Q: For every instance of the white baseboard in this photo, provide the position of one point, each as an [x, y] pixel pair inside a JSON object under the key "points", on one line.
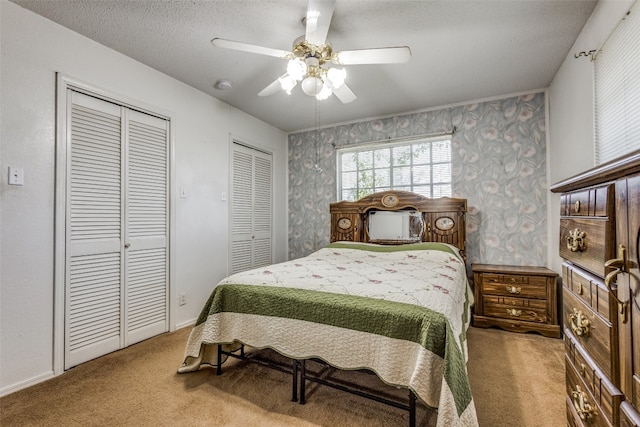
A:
{"points": [[26, 383], [186, 323]]}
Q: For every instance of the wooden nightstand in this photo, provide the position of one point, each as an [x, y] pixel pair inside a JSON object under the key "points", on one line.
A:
{"points": [[518, 299]]}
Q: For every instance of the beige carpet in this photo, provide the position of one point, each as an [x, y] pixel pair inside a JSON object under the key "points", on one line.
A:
{"points": [[516, 379]]}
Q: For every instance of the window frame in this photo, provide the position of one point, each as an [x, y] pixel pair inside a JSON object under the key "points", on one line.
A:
{"points": [[359, 192]]}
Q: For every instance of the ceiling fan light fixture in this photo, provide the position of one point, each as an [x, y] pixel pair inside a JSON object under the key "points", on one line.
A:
{"points": [[324, 93], [336, 77], [287, 83], [312, 85], [296, 69]]}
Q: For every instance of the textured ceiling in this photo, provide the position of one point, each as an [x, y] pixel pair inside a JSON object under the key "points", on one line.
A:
{"points": [[461, 50]]}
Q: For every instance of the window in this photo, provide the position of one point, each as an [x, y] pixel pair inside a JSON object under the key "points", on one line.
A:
{"points": [[617, 90], [423, 167]]}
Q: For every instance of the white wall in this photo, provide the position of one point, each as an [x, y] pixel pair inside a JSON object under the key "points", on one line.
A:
{"points": [[571, 127], [33, 50]]}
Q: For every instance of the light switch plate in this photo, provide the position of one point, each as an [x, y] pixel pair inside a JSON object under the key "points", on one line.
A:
{"points": [[16, 176]]}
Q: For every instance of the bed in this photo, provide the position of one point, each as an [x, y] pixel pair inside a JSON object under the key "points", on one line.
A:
{"points": [[393, 300]]}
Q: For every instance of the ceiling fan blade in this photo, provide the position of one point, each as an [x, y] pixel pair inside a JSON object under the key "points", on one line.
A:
{"points": [[251, 48], [273, 87], [382, 55], [344, 94], [318, 19]]}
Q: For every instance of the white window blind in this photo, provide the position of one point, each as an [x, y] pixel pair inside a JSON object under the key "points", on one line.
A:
{"points": [[617, 90], [422, 166]]}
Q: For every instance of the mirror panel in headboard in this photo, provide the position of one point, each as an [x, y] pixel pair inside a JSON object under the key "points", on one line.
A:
{"points": [[444, 218], [406, 226]]}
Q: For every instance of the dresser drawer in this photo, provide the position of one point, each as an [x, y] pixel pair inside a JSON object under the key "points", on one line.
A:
{"points": [[629, 416], [573, 420], [514, 285], [587, 242], [530, 310], [596, 201], [601, 389], [582, 408], [593, 332], [590, 289]]}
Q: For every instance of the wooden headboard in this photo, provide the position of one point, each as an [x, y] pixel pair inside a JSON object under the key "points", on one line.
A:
{"points": [[444, 218]]}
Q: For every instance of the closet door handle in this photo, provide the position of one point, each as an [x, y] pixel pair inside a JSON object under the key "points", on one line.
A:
{"points": [[126, 245]]}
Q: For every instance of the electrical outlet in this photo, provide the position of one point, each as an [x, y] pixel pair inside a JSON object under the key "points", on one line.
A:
{"points": [[16, 176], [182, 299]]}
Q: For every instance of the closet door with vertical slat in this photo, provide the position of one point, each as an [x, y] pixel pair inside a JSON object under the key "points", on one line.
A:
{"points": [[241, 209], [94, 229], [262, 209], [251, 208], [146, 254]]}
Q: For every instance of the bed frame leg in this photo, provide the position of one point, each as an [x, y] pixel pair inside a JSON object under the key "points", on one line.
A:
{"points": [[294, 391], [219, 367], [302, 381], [412, 409]]}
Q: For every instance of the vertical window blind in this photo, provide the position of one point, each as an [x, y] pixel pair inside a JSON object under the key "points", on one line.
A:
{"points": [[617, 90]]}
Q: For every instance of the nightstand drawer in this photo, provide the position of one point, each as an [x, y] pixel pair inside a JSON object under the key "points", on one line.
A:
{"points": [[528, 314], [592, 331], [537, 304], [498, 285]]}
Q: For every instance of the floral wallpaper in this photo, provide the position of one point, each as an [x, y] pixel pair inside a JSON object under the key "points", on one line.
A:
{"points": [[499, 166]]}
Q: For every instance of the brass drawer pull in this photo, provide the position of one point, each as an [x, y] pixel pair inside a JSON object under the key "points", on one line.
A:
{"points": [[585, 410], [514, 290], [579, 323], [580, 288], [621, 266], [576, 240], [513, 312]]}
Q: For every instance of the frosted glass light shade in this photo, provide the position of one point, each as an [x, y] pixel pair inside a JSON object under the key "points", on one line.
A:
{"points": [[324, 93], [312, 85], [296, 69], [336, 76], [287, 83]]}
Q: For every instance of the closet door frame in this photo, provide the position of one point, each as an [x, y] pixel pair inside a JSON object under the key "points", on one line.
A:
{"points": [[235, 139], [64, 83]]}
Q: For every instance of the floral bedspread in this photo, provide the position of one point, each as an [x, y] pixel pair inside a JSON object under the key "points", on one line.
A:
{"points": [[402, 311]]}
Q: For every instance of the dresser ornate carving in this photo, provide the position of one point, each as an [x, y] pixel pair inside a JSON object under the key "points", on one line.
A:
{"points": [[600, 245]]}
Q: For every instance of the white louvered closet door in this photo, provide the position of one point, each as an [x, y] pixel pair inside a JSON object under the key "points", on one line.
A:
{"points": [[146, 275], [116, 228], [251, 208]]}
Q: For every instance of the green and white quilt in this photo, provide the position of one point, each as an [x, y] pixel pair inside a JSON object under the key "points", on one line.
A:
{"points": [[400, 311]]}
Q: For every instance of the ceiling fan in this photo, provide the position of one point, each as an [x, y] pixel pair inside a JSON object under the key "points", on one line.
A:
{"points": [[313, 62]]}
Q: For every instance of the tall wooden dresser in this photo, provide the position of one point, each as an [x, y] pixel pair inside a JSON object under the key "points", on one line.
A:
{"points": [[600, 245]]}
